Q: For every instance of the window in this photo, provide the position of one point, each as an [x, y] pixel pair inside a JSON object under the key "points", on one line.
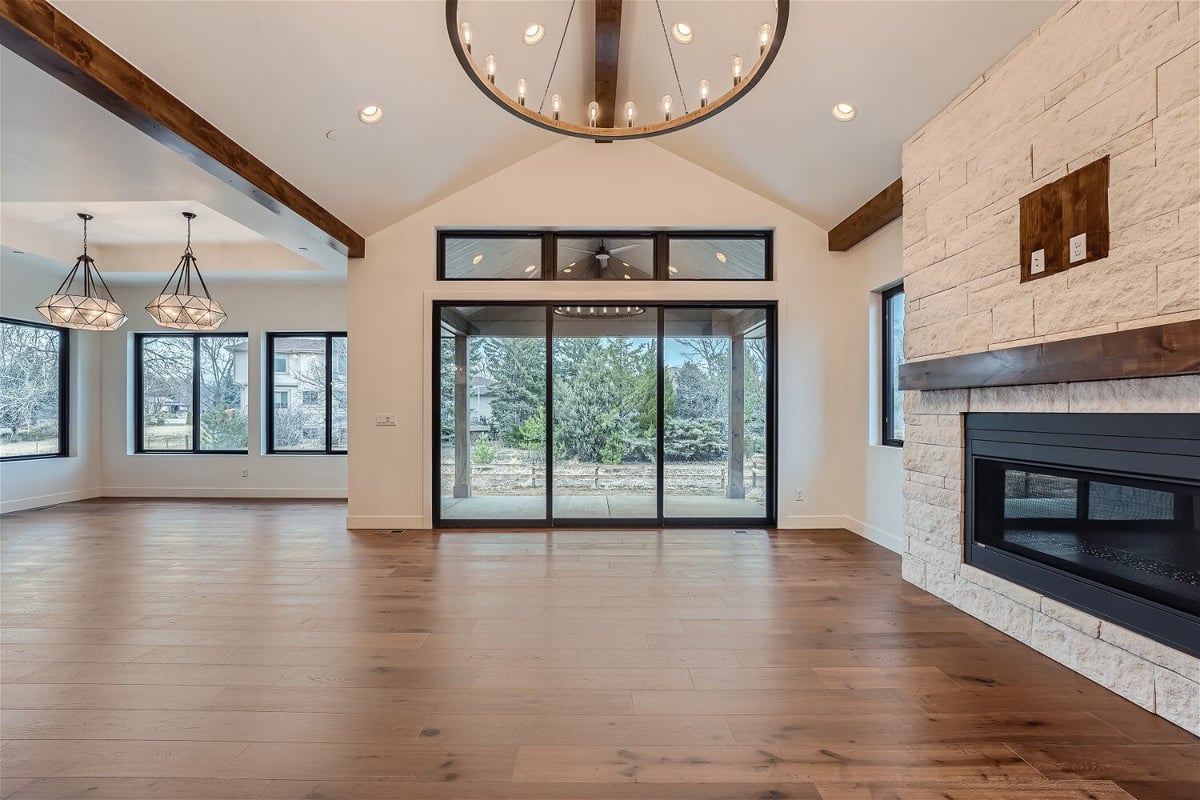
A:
{"points": [[191, 392], [316, 380], [730, 257], [892, 333], [594, 255], [34, 365], [489, 257], [280, 365]]}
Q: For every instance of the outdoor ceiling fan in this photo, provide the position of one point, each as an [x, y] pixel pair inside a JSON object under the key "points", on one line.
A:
{"points": [[602, 254]]}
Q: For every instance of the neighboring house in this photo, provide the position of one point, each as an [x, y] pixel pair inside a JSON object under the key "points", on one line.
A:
{"points": [[480, 393]]}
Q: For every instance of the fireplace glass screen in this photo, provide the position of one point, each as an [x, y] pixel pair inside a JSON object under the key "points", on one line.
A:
{"points": [[1139, 536]]}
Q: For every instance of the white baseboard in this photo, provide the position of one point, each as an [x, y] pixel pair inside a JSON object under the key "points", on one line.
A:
{"points": [[361, 522], [226, 492], [833, 521], [891, 541], [26, 503], [841, 521]]}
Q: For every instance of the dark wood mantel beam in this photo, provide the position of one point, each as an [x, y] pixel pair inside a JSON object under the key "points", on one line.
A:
{"points": [[874, 214], [608, 47], [50, 40], [1153, 351]]}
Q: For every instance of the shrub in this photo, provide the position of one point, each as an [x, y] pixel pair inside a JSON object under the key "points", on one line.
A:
{"points": [[484, 452]]}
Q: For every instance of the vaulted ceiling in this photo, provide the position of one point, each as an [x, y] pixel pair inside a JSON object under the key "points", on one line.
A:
{"points": [[279, 76]]}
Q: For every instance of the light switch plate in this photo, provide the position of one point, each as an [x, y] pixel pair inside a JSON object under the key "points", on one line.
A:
{"points": [[1037, 262], [385, 420], [1078, 247]]}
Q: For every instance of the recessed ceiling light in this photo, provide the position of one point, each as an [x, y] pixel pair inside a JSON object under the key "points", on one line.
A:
{"points": [[568, 269], [721, 257], [844, 112], [682, 32], [673, 269], [627, 277], [530, 268], [303, 248], [331, 135], [477, 259], [534, 33], [370, 114]]}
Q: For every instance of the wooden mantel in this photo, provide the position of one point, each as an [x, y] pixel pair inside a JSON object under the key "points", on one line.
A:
{"points": [[1158, 350]]}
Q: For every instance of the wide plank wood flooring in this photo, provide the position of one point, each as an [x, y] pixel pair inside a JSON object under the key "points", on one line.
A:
{"points": [[220, 649]]}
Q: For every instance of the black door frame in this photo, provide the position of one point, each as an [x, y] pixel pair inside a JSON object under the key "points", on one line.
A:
{"points": [[768, 520]]}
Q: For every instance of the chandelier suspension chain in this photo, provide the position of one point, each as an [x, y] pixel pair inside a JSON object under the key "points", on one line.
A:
{"points": [[671, 53], [554, 66]]}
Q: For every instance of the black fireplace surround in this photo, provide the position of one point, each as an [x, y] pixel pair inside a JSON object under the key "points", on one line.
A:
{"points": [[1098, 511]]}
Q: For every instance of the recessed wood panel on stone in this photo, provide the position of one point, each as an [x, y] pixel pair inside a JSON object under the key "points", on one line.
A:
{"points": [[1058, 211]]}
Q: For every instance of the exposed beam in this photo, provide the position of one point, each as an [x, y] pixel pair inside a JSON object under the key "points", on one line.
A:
{"points": [[1153, 351], [48, 39], [608, 47], [874, 214]]}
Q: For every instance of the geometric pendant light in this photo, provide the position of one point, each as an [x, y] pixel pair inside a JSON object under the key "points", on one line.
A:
{"points": [[176, 306], [89, 311]]}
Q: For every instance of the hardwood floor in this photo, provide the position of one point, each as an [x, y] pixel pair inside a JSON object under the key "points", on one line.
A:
{"points": [[212, 649]]}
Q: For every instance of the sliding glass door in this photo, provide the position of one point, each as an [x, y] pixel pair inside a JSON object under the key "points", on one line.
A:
{"points": [[653, 414]]}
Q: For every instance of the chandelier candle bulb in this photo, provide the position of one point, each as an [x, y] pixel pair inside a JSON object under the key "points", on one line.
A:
{"points": [[630, 112], [593, 113], [555, 105], [703, 93], [465, 29], [666, 106], [764, 38], [522, 88], [489, 65], [736, 63]]}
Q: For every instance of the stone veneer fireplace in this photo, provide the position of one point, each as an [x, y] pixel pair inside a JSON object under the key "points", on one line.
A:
{"points": [[1098, 511], [1097, 79]]}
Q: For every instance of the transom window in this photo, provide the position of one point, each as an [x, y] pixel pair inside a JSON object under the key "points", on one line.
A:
{"points": [[191, 392], [309, 413], [34, 370], [605, 255]]}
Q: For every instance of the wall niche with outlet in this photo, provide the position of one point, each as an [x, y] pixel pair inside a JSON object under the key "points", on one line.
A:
{"points": [[1064, 224]]}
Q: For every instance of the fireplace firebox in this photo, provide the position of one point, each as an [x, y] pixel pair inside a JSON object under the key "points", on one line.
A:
{"points": [[1098, 511]]}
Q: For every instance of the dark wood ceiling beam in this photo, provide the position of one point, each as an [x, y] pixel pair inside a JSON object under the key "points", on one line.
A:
{"points": [[48, 39], [874, 214], [608, 47]]}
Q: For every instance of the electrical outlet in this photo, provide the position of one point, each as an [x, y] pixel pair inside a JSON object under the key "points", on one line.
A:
{"points": [[799, 495], [385, 420], [1037, 262], [1078, 247]]}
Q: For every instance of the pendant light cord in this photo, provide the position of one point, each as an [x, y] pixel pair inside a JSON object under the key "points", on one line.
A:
{"points": [[671, 54], [557, 53]]}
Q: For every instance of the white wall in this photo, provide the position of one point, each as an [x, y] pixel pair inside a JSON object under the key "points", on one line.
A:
{"points": [[29, 484], [254, 309], [878, 478], [623, 185]]}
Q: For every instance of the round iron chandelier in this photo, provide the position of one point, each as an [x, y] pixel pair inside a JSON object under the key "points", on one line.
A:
{"points": [[656, 66]]}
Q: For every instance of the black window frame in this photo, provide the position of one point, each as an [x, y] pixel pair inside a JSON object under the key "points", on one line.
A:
{"points": [[269, 407], [139, 339], [661, 250], [887, 388], [661, 520], [64, 390]]}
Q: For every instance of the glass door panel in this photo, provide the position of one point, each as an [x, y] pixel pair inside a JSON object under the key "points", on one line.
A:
{"points": [[492, 426], [715, 413], [605, 367]]}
